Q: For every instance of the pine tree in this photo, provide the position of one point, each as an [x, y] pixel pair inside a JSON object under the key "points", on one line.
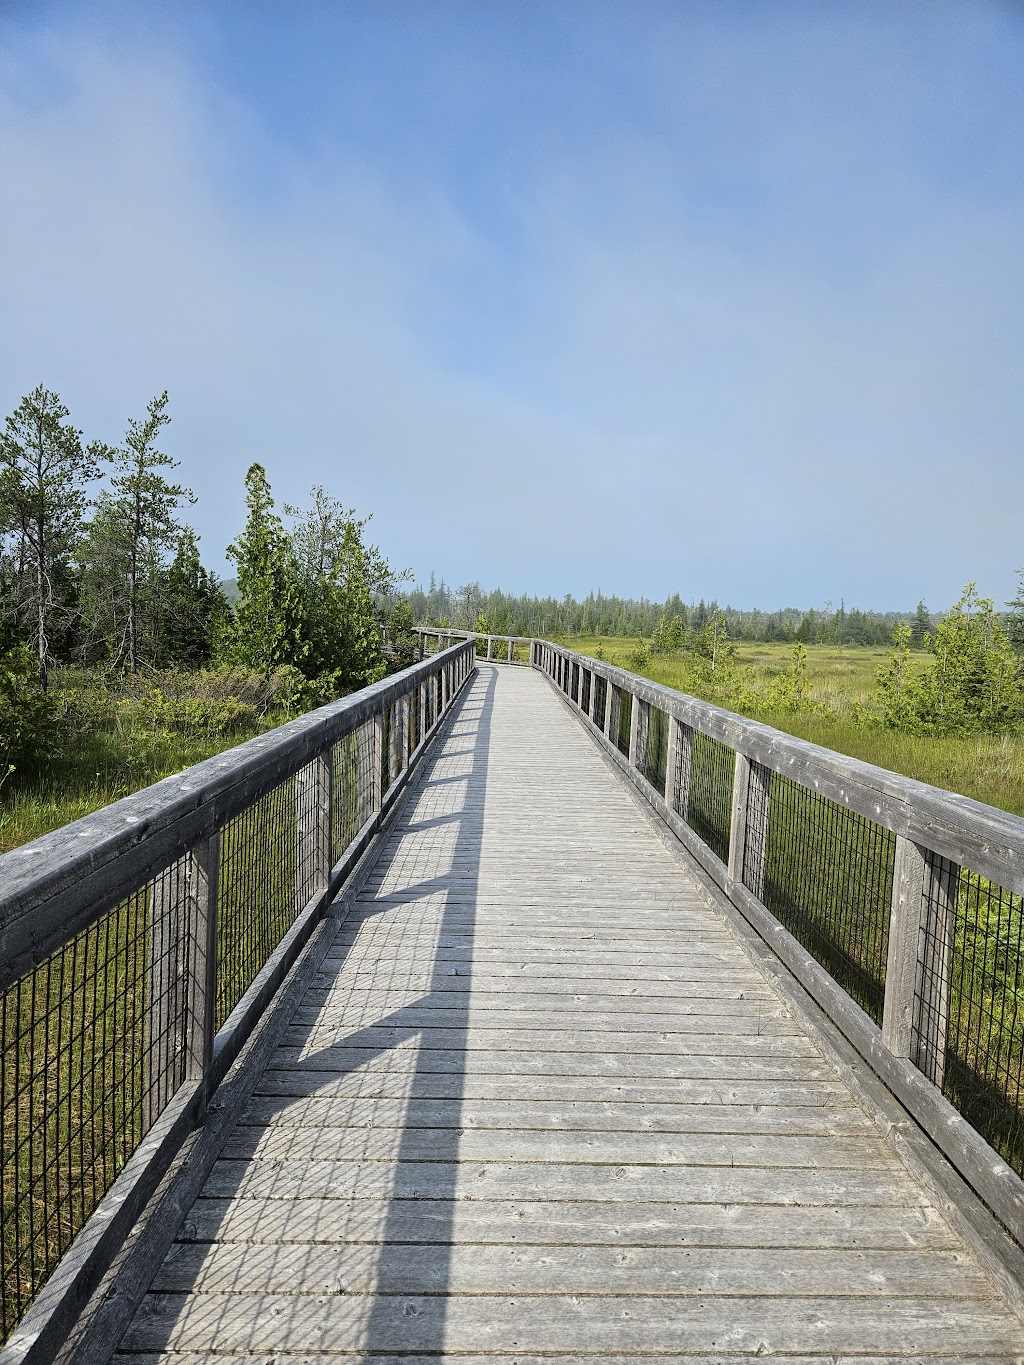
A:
{"points": [[44, 473], [920, 627], [146, 502], [268, 626]]}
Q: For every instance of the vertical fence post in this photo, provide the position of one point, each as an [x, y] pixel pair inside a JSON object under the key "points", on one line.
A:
{"points": [[905, 923], [377, 760], [614, 714], [738, 823], [684, 749], [182, 982], [312, 828], [204, 869], [672, 764], [511, 644], [634, 731], [915, 1013], [395, 756], [755, 839], [166, 1006]]}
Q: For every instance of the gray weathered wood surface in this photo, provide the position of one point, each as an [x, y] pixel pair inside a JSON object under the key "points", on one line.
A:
{"points": [[539, 1103]]}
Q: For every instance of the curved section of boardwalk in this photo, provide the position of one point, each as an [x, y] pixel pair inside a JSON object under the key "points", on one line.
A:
{"points": [[539, 1104]]}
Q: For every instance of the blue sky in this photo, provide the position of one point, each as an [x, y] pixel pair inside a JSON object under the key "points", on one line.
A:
{"points": [[718, 298]]}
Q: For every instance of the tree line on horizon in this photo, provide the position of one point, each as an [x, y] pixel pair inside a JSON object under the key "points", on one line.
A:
{"points": [[674, 619]]}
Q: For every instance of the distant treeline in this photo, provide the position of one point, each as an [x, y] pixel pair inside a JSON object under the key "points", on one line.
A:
{"points": [[469, 608]]}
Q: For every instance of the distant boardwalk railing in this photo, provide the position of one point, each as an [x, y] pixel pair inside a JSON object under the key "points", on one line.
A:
{"points": [[510, 649], [896, 904], [139, 947]]}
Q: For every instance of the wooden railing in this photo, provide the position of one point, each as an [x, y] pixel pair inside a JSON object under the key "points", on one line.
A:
{"points": [[139, 948], [896, 904], [497, 648]]}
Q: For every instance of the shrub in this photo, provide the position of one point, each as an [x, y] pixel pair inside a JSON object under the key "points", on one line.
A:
{"points": [[28, 726]]}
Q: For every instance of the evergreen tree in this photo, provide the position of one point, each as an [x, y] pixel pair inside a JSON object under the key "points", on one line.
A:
{"points": [[102, 557], [196, 610], [146, 502], [44, 473], [1015, 620], [920, 627], [268, 629]]}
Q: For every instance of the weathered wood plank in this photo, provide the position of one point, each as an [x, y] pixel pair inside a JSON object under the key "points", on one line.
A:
{"points": [[567, 1223], [560, 1181], [571, 1116], [313, 1269], [583, 1323]]}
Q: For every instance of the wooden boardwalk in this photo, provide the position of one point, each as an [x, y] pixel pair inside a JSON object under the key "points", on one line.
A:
{"points": [[539, 1104]]}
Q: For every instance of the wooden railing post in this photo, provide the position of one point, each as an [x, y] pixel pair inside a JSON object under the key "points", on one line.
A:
{"points": [[182, 978], [511, 646], [915, 1012], [906, 916], [377, 761], [634, 730], [398, 726], [312, 828], [204, 872], [738, 823], [684, 767], [672, 764], [759, 793]]}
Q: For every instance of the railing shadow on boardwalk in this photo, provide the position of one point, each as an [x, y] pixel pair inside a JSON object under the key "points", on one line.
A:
{"points": [[387, 1242]]}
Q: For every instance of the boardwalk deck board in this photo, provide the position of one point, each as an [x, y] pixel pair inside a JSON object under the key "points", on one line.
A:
{"points": [[539, 1104]]}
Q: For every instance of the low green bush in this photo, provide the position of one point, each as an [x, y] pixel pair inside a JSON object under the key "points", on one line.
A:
{"points": [[28, 721]]}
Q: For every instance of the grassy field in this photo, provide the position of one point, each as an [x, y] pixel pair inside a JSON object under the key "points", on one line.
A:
{"points": [[93, 771], [840, 686]]}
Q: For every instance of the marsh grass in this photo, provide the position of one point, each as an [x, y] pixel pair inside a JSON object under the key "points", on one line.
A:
{"points": [[842, 715]]}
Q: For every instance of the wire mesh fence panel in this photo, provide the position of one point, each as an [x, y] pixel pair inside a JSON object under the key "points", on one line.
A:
{"points": [[655, 756], [625, 709], [574, 681], [600, 699], [709, 803], [827, 876], [257, 891], [92, 1047], [585, 676], [971, 994]]}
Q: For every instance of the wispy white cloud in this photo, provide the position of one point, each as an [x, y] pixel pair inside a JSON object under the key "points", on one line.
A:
{"points": [[627, 385]]}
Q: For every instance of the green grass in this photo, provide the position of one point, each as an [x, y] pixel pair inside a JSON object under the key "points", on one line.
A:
{"points": [[989, 768], [93, 772]]}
